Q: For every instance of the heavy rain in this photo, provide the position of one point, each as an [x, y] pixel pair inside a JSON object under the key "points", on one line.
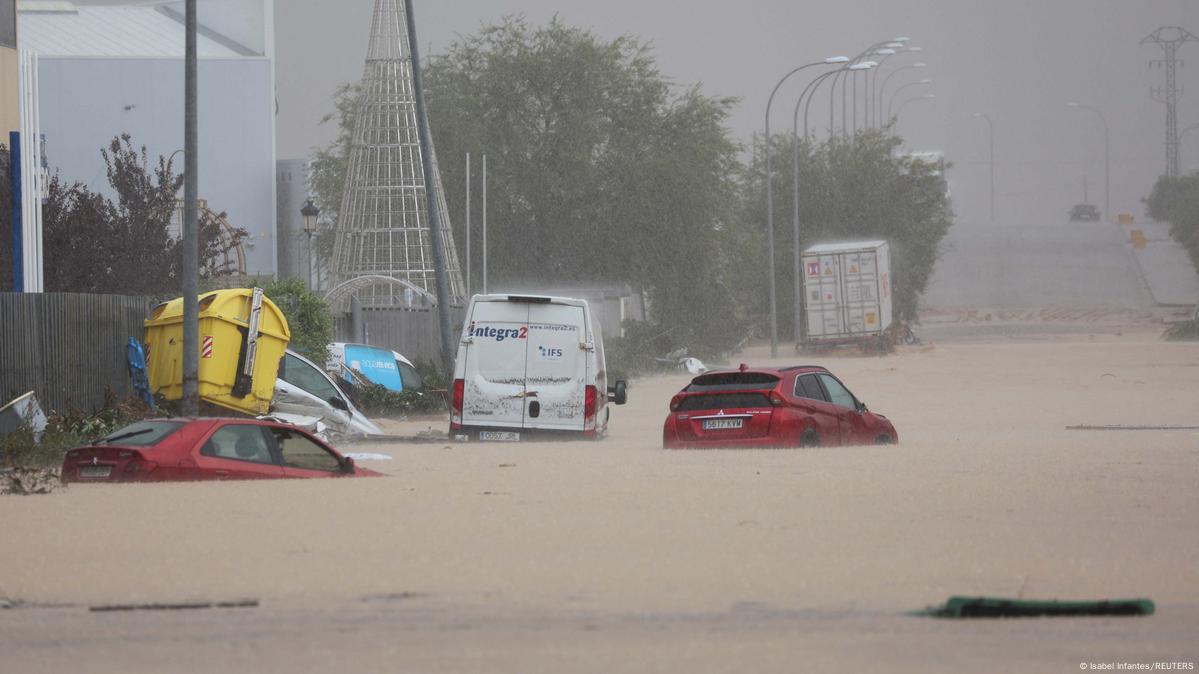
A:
{"points": [[764, 337]]}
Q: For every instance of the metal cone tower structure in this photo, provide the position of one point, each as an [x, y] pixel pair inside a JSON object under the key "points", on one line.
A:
{"points": [[383, 224]]}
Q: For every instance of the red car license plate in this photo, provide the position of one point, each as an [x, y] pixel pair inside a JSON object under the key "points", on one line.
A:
{"points": [[95, 471], [715, 424]]}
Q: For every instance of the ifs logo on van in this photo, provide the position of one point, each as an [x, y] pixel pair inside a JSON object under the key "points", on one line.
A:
{"points": [[498, 334], [548, 353]]}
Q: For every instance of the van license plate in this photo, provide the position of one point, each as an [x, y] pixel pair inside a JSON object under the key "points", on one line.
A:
{"points": [[499, 436], [715, 424], [95, 471]]}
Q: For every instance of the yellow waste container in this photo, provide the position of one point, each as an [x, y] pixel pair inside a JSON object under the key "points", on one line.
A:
{"points": [[236, 371]]}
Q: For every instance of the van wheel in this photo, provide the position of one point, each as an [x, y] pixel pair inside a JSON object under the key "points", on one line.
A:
{"points": [[810, 438], [884, 439]]}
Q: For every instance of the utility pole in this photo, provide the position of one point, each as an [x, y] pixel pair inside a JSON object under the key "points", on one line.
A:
{"points": [[1169, 38], [467, 228], [441, 279], [191, 246]]}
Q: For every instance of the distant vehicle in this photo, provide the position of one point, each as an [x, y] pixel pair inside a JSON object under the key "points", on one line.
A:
{"points": [[304, 389], [1082, 212], [166, 450], [798, 406], [378, 365], [530, 365]]}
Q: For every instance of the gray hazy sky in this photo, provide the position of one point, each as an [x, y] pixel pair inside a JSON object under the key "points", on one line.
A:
{"points": [[1019, 61]]}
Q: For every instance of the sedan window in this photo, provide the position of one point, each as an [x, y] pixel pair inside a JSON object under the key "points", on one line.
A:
{"points": [[806, 386], [300, 452], [838, 394], [240, 442], [302, 375]]}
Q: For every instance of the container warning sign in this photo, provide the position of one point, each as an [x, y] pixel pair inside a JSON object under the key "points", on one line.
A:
{"points": [[813, 269], [206, 347], [869, 318]]}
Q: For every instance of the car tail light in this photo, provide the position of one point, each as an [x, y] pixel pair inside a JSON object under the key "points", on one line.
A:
{"points": [[776, 399], [456, 403], [138, 466], [675, 402], [589, 398]]}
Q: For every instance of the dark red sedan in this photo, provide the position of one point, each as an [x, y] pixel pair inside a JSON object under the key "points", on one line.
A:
{"points": [[161, 450], [797, 406]]}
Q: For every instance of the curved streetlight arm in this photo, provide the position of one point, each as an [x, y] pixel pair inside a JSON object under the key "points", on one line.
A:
{"points": [[882, 89], [814, 85], [895, 95], [838, 78], [925, 97]]}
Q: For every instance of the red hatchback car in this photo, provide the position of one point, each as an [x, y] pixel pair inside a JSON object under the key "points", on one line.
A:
{"points": [[162, 450], [798, 406]]}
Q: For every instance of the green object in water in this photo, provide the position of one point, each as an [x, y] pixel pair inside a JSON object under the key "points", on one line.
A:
{"points": [[995, 607]]}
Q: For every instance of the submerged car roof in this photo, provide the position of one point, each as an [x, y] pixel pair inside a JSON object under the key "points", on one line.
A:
{"points": [[778, 371]]}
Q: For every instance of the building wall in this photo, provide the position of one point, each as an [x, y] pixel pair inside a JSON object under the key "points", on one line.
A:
{"points": [[291, 181], [86, 102], [10, 111]]}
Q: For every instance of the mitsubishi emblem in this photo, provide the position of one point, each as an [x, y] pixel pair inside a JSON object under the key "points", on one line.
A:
{"points": [[95, 461], [720, 413]]}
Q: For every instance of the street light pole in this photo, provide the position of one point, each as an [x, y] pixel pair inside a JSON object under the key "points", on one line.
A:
{"points": [[191, 218], [1107, 173], [774, 316], [798, 297], [991, 134], [310, 212]]}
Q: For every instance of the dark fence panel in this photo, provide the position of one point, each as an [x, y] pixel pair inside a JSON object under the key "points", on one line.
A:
{"points": [[413, 333], [67, 347]]}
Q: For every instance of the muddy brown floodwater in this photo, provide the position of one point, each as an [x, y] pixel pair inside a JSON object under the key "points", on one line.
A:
{"points": [[620, 556]]}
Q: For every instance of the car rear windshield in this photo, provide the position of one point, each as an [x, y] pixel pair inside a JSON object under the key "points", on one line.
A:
{"points": [[718, 401], [142, 433], [729, 381]]}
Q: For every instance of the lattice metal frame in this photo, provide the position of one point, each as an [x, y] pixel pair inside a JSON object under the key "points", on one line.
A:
{"points": [[383, 224]]}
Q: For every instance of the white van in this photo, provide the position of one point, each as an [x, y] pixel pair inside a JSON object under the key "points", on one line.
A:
{"points": [[530, 365]]}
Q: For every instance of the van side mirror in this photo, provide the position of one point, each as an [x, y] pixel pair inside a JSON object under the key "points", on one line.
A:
{"points": [[618, 392], [347, 465], [340, 404]]}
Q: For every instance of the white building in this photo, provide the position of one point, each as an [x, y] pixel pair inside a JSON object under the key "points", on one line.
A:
{"points": [[105, 70]]}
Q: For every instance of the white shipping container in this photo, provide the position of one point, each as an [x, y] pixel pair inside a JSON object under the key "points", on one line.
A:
{"points": [[847, 289]]}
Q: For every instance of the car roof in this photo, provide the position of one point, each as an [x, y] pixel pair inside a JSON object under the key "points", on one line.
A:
{"points": [[777, 371]]}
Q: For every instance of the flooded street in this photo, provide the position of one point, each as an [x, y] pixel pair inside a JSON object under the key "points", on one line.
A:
{"points": [[620, 555]]}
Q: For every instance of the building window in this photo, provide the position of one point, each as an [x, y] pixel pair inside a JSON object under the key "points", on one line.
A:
{"points": [[8, 23]]}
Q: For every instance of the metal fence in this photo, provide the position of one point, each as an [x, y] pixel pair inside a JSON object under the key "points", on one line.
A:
{"points": [[68, 348], [413, 333]]}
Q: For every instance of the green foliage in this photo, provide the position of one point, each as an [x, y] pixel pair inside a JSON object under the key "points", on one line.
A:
{"points": [[65, 430], [599, 171], [308, 317], [1176, 201], [90, 240], [376, 400], [1183, 331], [851, 188]]}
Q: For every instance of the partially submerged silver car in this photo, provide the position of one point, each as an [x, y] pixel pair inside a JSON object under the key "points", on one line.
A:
{"points": [[304, 390]]}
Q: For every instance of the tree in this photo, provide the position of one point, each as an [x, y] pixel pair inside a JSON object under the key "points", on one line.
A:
{"points": [[856, 187], [600, 171], [94, 244], [308, 317], [1176, 200]]}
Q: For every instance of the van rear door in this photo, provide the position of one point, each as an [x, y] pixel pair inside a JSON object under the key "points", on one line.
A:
{"points": [[556, 370], [494, 372]]}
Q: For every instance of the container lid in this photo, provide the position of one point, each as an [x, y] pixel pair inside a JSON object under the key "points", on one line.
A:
{"points": [[232, 305], [845, 247]]}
